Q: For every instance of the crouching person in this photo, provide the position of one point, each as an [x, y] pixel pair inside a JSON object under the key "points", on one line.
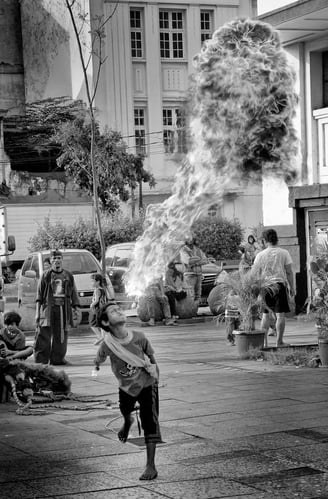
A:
{"points": [[134, 365], [12, 339]]}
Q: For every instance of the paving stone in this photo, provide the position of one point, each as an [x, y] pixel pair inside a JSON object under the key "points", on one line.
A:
{"points": [[253, 466], [274, 440], [315, 455], [110, 449], [21, 490], [310, 433], [200, 489], [124, 493], [314, 487], [27, 469], [77, 483]]}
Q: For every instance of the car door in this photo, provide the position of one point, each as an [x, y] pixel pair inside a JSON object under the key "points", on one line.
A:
{"points": [[27, 284], [117, 263]]}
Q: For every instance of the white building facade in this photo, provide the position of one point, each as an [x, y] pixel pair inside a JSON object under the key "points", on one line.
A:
{"points": [[301, 214], [144, 84]]}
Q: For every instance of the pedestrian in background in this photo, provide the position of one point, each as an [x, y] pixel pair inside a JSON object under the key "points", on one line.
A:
{"points": [[99, 298], [192, 258], [56, 302], [275, 262]]}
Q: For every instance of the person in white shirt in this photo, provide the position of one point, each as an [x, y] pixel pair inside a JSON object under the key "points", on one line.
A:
{"points": [[275, 262]]}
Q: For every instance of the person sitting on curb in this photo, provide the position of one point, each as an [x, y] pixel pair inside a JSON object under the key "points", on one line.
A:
{"points": [[174, 288], [12, 339], [154, 293], [133, 364]]}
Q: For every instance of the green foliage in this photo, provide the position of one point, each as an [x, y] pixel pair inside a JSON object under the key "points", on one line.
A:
{"points": [[299, 357], [83, 234], [31, 136], [319, 300], [242, 291], [212, 235], [219, 237], [118, 171]]}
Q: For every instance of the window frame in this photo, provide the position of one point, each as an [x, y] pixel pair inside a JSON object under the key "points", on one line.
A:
{"points": [[174, 135], [137, 30], [172, 39], [140, 130], [205, 34]]}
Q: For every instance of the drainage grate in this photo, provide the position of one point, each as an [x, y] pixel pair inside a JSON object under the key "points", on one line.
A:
{"points": [[279, 475], [316, 435]]}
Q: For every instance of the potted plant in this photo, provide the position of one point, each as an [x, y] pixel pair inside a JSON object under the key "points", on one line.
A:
{"points": [[319, 303], [243, 291]]}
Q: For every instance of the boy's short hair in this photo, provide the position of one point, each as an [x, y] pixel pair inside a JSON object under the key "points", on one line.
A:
{"points": [[55, 252], [270, 236], [11, 317], [101, 314]]}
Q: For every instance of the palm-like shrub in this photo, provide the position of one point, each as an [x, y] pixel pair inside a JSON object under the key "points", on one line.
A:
{"points": [[243, 291], [319, 300]]}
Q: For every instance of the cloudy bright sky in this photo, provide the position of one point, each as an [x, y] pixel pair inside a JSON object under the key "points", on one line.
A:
{"points": [[264, 6]]}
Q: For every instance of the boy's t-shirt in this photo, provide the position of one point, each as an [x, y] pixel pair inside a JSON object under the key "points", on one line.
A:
{"points": [[18, 342], [131, 379]]}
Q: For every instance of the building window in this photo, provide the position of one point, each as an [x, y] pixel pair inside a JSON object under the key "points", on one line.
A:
{"points": [[325, 78], [214, 211], [140, 130], [206, 25], [136, 33], [171, 34], [174, 130]]}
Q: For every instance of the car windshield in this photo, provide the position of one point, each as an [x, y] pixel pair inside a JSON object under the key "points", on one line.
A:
{"points": [[80, 263]]}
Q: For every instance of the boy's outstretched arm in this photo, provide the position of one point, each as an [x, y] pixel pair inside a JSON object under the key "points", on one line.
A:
{"points": [[153, 361], [101, 355]]}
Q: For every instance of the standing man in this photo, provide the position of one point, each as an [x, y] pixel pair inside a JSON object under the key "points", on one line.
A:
{"points": [[56, 297], [193, 258], [275, 262]]}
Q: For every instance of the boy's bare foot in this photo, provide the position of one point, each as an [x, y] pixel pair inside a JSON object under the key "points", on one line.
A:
{"points": [[124, 431], [150, 473]]}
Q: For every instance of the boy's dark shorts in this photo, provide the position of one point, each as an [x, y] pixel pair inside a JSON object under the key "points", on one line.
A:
{"points": [[149, 409], [277, 302]]}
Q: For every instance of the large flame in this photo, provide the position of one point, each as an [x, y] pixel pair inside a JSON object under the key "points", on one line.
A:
{"points": [[243, 105]]}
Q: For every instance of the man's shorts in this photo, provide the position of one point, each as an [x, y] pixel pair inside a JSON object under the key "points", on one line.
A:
{"points": [[149, 409], [276, 301]]}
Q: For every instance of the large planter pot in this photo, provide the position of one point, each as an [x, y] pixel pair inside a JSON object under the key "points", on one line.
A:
{"points": [[246, 341], [186, 308], [323, 351]]}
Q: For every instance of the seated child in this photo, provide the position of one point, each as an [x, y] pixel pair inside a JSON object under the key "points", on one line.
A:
{"points": [[232, 320], [12, 339]]}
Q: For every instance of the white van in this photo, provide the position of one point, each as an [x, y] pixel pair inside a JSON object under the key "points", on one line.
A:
{"points": [[81, 263]]}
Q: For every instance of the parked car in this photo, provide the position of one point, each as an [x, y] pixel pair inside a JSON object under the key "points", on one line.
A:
{"points": [[81, 263], [118, 258]]}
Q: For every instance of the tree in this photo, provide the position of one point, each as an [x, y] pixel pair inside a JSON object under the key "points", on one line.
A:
{"points": [[117, 170], [29, 138], [97, 34]]}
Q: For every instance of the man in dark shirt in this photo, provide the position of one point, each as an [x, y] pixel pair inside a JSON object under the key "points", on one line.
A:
{"points": [[56, 298]]}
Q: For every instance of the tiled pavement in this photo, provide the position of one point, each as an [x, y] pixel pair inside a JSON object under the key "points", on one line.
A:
{"points": [[231, 428]]}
